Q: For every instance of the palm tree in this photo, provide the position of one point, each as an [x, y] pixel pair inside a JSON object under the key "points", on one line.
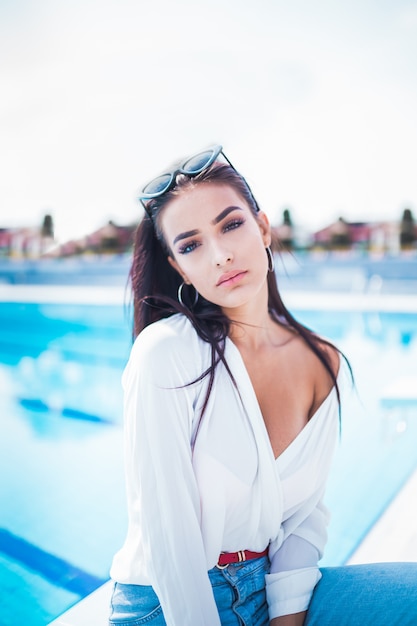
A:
{"points": [[47, 229], [407, 229]]}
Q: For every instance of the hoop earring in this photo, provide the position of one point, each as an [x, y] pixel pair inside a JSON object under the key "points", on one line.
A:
{"points": [[180, 300], [271, 260]]}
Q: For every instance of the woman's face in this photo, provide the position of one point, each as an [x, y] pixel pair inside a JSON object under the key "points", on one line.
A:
{"points": [[217, 244]]}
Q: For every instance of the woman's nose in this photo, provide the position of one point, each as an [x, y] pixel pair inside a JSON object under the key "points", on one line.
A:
{"points": [[221, 254], [223, 257]]}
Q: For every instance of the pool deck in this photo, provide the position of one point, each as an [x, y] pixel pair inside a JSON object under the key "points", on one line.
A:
{"points": [[392, 538], [92, 611], [335, 300]]}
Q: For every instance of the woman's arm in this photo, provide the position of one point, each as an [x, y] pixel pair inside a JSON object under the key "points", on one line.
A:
{"points": [[297, 619], [164, 503]]}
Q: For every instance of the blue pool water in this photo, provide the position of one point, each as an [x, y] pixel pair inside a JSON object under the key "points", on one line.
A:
{"points": [[62, 508]]}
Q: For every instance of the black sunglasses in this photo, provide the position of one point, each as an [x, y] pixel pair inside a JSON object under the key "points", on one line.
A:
{"points": [[191, 166]]}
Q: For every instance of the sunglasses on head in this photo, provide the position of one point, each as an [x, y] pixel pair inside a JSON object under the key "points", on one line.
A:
{"points": [[191, 166]]}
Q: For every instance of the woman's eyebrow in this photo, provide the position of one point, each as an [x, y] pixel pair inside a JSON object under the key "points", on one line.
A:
{"points": [[224, 214], [188, 233], [217, 219]]}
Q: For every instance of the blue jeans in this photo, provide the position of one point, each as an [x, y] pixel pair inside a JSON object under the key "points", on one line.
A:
{"points": [[378, 594], [239, 592], [356, 595]]}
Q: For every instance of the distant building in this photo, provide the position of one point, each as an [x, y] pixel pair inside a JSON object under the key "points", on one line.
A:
{"points": [[108, 239], [112, 238], [342, 235], [28, 243], [5, 242]]}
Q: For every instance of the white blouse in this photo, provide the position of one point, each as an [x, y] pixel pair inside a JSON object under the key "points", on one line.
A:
{"points": [[229, 493]]}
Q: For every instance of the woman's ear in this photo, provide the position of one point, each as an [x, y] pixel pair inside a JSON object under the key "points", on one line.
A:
{"points": [[265, 228], [177, 268]]}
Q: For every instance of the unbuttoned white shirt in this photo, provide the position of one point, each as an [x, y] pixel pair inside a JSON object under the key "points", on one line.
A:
{"points": [[195, 489]]}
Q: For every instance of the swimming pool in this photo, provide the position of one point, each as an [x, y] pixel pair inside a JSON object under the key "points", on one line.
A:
{"points": [[62, 503]]}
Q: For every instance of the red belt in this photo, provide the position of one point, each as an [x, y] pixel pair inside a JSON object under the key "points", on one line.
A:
{"points": [[227, 558]]}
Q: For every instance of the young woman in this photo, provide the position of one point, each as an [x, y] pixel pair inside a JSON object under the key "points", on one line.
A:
{"points": [[231, 419]]}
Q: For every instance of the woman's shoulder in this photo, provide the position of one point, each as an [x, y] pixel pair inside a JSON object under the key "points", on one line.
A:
{"points": [[168, 351], [323, 381], [316, 380], [174, 325], [332, 355], [170, 337]]}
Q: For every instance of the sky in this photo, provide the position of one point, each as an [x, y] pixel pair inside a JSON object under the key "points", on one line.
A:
{"points": [[314, 103]]}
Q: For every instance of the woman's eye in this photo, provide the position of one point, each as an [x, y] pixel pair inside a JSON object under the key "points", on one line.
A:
{"points": [[235, 223], [188, 247]]}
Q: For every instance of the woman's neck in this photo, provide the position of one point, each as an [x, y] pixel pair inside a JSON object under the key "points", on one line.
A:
{"points": [[252, 327]]}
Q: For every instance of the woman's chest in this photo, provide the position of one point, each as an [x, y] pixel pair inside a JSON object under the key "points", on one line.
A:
{"points": [[284, 395]]}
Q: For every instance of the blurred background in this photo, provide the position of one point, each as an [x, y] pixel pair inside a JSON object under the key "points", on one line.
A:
{"points": [[315, 104]]}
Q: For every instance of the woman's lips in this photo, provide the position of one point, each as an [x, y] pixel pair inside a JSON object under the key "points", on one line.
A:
{"points": [[229, 278]]}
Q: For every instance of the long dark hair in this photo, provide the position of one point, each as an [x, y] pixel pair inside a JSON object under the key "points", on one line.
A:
{"points": [[155, 283]]}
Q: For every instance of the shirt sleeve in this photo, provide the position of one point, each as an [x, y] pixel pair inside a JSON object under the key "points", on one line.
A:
{"points": [[294, 566], [162, 490]]}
